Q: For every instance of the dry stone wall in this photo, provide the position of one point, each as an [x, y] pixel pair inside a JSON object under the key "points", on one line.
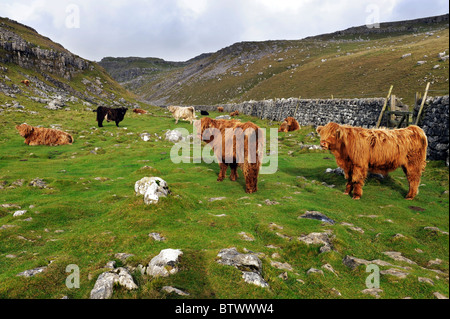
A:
{"points": [[355, 112]]}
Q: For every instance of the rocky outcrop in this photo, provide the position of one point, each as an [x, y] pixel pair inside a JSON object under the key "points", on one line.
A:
{"points": [[30, 56]]}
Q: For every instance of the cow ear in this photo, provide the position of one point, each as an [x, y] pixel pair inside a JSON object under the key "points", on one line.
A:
{"points": [[319, 129], [339, 133]]}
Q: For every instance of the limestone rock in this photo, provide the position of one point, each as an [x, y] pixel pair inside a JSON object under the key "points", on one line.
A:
{"points": [[32, 272], [152, 188], [170, 289], [254, 278], [318, 239], [317, 216], [173, 136], [165, 264]]}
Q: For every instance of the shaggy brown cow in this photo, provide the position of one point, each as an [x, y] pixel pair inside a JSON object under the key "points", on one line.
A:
{"points": [[235, 113], [220, 109], [26, 82], [43, 136], [243, 148], [358, 151], [289, 125], [139, 111]]}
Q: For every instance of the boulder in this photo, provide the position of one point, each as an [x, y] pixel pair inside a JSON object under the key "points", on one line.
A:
{"points": [[103, 288], [152, 188], [165, 264], [173, 136], [249, 264]]}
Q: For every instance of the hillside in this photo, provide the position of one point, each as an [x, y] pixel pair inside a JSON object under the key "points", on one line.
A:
{"points": [[57, 77], [357, 62]]}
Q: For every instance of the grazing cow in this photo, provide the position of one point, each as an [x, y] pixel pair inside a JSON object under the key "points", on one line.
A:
{"points": [[43, 136], [242, 148], [235, 113], [26, 82], [289, 125], [358, 151], [220, 109], [204, 113], [180, 112], [139, 111], [110, 114]]}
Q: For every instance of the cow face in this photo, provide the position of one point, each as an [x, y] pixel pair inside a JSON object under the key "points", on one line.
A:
{"points": [[328, 135], [121, 113], [25, 130]]}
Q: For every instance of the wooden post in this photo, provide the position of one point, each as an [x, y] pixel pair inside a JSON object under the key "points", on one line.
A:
{"points": [[384, 107], [423, 104]]}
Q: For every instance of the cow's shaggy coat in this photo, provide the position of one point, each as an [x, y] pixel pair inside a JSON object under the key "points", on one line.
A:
{"points": [[43, 136], [241, 146], [359, 151], [110, 114], [139, 111], [186, 113], [289, 125]]}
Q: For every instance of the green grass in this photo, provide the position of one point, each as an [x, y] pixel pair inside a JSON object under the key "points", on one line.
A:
{"points": [[100, 218]]}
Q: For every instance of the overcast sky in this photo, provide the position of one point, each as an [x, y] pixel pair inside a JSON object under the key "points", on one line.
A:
{"points": [[178, 30]]}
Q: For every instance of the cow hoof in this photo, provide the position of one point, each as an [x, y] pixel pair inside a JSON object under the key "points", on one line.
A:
{"points": [[220, 179], [356, 197]]}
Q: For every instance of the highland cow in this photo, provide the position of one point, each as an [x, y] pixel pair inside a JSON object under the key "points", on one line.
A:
{"points": [[289, 125], [110, 114], [235, 113], [380, 151], [220, 109], [26, 82], [204, 113], [180, 112], [43, 136], [139, 111], [235, 144]]}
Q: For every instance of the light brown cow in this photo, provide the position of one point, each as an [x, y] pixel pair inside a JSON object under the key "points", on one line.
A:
{"points": [[359, 151]]}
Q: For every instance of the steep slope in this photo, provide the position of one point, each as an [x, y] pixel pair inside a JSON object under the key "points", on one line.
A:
{"points": [[56, 76], [357, 62]]}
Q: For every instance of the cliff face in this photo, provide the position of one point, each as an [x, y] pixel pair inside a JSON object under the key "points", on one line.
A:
{"points": [[56, 77], [30, 56]]}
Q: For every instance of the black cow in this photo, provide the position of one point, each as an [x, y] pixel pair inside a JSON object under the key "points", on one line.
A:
{"points": [[110, 114], [204, 113]]}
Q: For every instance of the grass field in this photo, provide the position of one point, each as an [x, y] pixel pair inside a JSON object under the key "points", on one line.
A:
{"points": [[89, 212]]}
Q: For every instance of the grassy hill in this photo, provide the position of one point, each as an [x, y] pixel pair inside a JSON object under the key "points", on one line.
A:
{"points": [[357, 62], [89, 212]]}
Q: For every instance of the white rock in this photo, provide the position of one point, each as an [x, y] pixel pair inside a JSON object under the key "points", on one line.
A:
{"points": [[19, 213], [165, 263], [152, 188], [174, 136]]}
